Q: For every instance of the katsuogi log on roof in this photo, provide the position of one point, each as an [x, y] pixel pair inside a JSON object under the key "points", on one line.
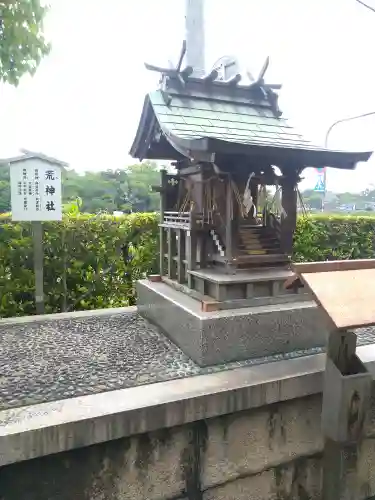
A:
{"points": [[189, 117]]}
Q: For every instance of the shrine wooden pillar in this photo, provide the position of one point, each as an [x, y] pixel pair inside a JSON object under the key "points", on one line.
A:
{"points": [[228, 224], [191, 254], [289, 204], [163, 194], [254, 195]]}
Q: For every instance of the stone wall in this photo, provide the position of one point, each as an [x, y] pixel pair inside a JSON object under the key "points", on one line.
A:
{"points": [[271, 452], [247, 433]]}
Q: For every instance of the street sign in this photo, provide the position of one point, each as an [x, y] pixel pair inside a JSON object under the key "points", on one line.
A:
{"points": [[35, 190], [320, 171], [320, 185]]}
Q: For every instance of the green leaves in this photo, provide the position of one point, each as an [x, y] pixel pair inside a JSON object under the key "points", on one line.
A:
{"points": [[322, 237], [84, 265], [22, 43], [83, 262]]}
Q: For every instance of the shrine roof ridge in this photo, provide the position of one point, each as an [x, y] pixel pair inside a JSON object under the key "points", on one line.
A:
{"points": [[220, 90], [190, 116]]}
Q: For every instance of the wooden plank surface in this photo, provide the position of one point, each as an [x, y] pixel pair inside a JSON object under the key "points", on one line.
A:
{"points": [[347, 297], [333, 265]]}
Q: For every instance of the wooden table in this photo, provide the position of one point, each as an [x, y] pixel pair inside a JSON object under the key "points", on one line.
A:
{"points": [[345, 293]]}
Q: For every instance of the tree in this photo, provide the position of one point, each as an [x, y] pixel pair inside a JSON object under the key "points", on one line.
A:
{"points": [[140, 178], [22, 42], [312, 199], [126, 190]]}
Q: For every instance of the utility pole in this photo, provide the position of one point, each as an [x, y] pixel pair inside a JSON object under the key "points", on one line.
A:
{"points": [[195, 43], [333, 125]]}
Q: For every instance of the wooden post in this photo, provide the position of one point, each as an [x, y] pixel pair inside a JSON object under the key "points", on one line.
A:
{"points": [[202, 249], [171, 253], [162, 209], [180, 256], [254, 195], [64, 272], [37, 229], [191, 253], [289, 221], [228, 224]]}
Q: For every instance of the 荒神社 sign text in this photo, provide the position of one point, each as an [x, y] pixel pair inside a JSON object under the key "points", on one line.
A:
{"points": [[35, 191]]}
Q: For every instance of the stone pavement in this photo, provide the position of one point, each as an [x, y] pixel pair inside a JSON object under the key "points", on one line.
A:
{"points": [[56, 359]]}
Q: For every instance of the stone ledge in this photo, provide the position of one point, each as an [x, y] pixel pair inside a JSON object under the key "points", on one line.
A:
{"points": [[215, 337], [48, 428], [67, 315]]}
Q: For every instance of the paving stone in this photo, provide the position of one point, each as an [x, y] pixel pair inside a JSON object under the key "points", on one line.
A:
{"points": [[51, 360]]}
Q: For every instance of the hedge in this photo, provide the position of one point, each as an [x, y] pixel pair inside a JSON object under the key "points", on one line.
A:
{"points": [[337, 237], [85, 266]]}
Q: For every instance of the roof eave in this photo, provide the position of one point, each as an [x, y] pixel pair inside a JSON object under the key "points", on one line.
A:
{"points": [[305, 157], [186, 147], [143, 135]]}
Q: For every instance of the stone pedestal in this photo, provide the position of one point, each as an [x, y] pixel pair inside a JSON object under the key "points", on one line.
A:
{"points": [[234, 334]]}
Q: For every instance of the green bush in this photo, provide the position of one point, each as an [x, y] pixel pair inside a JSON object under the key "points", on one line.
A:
{"points": [[337, 237], [83, 262], [85, 269]]}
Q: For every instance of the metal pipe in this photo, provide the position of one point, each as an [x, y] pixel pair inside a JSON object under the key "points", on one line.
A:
{"points": [[337, 122], [350, 118]]}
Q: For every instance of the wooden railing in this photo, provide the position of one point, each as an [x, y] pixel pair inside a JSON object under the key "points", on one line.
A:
{"points": [[180, 220], [184, 220]]}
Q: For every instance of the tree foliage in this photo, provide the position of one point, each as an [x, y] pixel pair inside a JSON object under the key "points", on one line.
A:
{"points": [[22, 42]]}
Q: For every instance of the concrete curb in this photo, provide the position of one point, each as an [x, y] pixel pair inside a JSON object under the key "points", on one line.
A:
{"points": [[35, 431]]}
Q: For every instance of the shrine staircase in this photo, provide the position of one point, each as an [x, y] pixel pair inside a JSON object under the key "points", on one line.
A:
{"points": [[258, 245]]}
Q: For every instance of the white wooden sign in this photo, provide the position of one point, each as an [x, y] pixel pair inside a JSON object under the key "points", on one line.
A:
{"points": [[35, 190]]}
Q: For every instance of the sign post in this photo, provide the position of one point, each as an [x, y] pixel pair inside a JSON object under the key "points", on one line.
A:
{"points": [[320, 186], [36, 197], [37, 229]]}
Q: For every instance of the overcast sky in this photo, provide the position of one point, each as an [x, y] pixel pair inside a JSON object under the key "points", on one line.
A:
{"points": [[84, 103]]}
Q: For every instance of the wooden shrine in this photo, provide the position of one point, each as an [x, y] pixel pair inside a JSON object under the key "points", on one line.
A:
{"points": [[218, 214], [228, 213]]}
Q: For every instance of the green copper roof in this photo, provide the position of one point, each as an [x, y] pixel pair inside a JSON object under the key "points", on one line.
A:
{"points": [[193, 118]]}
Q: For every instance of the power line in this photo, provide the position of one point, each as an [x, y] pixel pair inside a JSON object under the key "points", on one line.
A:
{"points": [[365, 5]]}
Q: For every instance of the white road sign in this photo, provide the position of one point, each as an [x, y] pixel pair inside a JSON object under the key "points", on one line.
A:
{"points": [[35, 190]]}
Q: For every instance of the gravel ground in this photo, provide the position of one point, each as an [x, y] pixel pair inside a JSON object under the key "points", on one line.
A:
{"points": [[59, 359]]}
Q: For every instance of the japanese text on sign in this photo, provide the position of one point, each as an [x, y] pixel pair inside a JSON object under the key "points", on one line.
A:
{"points": [[36, 191]]}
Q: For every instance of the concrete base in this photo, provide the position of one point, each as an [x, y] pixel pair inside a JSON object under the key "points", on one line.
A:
{"points": [[211, 338]]}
